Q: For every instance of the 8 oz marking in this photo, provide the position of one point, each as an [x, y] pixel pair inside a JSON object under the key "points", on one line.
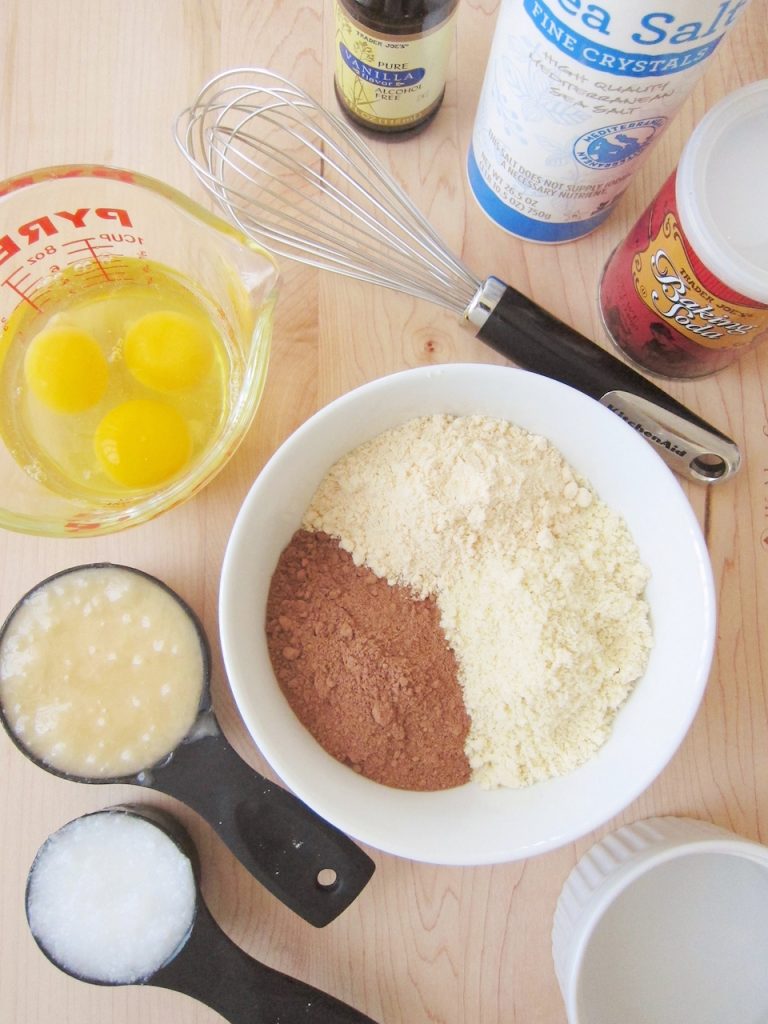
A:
{"points": [[49, 250]]}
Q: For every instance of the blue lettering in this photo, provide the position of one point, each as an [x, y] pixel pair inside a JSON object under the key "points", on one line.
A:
{"points": [[659, 33], [734, 12], [657, 26], [593, 17], [379, 76], [685, 33], [598, 19], [586, 50], [720, 12]]}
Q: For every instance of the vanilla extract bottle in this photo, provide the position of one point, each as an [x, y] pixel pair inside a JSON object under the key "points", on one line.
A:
{"points": [[392, 61]]}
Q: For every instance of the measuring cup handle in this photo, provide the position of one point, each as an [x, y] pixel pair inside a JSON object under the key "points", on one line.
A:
{"points": [[217, 972], [281, 841]]}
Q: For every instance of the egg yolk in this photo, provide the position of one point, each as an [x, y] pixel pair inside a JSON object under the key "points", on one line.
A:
{"points": [[167, 351], [142, 442], [66, 369]]}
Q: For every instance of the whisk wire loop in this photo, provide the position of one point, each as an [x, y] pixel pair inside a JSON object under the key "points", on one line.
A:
{"points": [[296, 179], [362, 220]]}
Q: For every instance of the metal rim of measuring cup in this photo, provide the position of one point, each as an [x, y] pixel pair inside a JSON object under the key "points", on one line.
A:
{"points": [[169, 826], [205, 705]]}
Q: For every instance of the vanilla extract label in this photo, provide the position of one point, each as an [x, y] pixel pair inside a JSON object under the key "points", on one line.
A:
{"points": [[390, 81]]}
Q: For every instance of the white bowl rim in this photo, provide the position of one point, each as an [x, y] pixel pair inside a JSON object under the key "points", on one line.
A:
{"points": [[624, 876], [432, 827]]}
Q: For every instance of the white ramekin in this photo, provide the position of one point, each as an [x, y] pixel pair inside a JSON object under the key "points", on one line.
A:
{"points": [[709, 920]]}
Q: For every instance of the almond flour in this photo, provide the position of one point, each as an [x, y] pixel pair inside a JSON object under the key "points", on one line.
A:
{"points": [[539, 585]]}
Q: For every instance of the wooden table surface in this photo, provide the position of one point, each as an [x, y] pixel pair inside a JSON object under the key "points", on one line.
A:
{"points": [[90, 81]]}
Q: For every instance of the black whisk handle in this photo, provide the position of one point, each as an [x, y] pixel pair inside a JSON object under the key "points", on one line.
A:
{"points": [[533, 339]]}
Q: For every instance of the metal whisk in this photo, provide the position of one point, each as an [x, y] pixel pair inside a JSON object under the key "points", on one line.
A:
{"points": [[303, 184]]}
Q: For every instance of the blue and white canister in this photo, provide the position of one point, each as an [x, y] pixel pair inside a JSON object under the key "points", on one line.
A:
{"points": [[575, 95]]}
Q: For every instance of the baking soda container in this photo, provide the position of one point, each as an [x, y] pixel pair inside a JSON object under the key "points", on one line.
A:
{"points": [[574, 96], [687, 291]]}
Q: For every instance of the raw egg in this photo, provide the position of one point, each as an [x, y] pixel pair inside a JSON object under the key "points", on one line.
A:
{"points": [[66, 369], [114, 386], [168, 351], [142, 442]]}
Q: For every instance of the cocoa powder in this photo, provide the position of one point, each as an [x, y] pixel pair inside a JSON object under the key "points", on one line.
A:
{"points": [[366, 667]]}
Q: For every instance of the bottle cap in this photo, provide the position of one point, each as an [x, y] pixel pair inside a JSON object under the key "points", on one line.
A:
{"points": [[720, 190]]}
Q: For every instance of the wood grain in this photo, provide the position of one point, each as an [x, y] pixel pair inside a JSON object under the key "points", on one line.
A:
{"points": [[89, 80]]}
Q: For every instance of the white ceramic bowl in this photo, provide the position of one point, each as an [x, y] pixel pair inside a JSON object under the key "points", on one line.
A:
{"points": [[468, 825], [665, 921]]}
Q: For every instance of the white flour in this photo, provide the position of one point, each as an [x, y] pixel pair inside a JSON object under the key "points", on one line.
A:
{"points": [[539, 584]]}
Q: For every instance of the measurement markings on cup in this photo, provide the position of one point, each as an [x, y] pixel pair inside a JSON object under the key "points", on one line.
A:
{"points": [[82, 254], [90, 254], [21, 282]]}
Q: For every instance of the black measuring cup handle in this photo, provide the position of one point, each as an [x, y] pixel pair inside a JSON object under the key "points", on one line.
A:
{"points": [[309, 864], [217, 972]]}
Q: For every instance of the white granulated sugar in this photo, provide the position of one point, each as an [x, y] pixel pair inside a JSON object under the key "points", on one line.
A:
{"points": [[539, 585]]}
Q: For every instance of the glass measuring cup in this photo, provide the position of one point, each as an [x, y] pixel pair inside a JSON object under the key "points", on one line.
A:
{"points": [[132, 856], [93, 242], [56, 648]]}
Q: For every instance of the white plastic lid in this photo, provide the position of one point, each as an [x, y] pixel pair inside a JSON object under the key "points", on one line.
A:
{"points": [[721, 190]]}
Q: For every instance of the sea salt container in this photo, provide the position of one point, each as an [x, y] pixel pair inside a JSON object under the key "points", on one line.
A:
{"points": [[575, 95]]}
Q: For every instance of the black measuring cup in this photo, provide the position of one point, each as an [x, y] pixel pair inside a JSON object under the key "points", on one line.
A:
{"points": [[307, 863], [206, 964]]}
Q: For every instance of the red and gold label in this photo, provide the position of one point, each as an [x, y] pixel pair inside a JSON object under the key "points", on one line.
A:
{"points": [[666, 281]]}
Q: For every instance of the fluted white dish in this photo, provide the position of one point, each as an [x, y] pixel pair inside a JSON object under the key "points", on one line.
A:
{"points": [[665, 921]]}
